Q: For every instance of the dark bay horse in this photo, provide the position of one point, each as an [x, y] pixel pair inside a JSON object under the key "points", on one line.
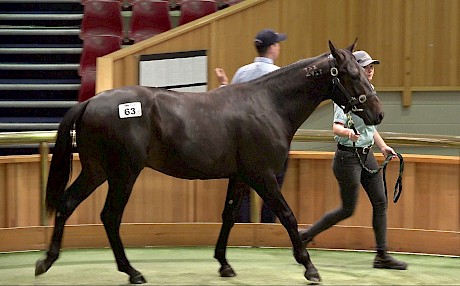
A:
{"points": [[241, 132]]}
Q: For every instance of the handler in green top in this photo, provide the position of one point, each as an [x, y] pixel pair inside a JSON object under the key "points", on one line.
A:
{"points": [[350, 174]]}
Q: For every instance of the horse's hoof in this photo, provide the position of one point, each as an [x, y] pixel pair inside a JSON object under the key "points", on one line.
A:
{"points": [[227, 271], [312, 275], [40, 267], [138, 279]]}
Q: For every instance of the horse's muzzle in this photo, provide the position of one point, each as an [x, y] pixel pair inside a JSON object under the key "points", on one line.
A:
{"points": [[380, 117]]}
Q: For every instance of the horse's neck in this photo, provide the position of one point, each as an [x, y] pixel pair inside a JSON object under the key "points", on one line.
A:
{"points": [[297, 90]]}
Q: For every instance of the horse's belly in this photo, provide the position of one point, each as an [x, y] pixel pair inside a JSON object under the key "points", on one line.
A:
{"points": [[186, 172], [192, 167]]}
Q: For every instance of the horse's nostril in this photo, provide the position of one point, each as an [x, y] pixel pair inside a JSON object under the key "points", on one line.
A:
{"points": [[381, 115]]}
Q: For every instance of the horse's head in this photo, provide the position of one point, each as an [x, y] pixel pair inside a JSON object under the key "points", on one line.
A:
{"points": [[352, 90]]}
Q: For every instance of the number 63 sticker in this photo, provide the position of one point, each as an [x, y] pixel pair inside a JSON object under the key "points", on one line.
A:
{"points": [[131, 109]]}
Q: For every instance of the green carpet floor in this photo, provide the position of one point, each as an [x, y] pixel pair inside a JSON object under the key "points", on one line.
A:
{"points": [[196, 266]]}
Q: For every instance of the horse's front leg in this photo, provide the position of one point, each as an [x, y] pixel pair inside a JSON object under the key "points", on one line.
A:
{"points": [[268, 189], [235, 191]]}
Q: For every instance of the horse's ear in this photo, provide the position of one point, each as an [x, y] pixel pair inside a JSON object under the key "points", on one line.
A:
{"points": [[351, 48], [333, 49], [331, 46]]}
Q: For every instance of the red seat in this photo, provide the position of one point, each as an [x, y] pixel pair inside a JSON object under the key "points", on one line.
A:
{"points": [[87, 86], [179, 2], [149, 18], [83, 2], [102, 17], [191, 10], [171, 3], [227, 3], [94, 47]]}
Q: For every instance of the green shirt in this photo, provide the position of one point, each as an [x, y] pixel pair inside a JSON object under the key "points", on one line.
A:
{"points": [[367, 131]]}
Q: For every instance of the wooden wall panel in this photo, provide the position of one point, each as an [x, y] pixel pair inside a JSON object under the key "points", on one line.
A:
{"points": [[418, 206], [417, 42], [256, 235], [20, 194], [430, 198], [311, 24], [3, 194], [27, 194], [10, 198], [428, 207], [318, 190], [159, 198], [381, 37], [436, 44], [210, 200], [437, 194], [22, 238]]}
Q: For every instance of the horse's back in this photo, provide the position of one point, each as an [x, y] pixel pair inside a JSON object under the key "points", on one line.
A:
{"points": [[187, 135], [116, 123], [162, 129]]}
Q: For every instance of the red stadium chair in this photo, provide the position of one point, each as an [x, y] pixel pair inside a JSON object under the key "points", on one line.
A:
{"points": [[171, 3], [179, 2], [83, 2], [191, 10], [227, 3], [102, 17], [88, 85], [94, 47], [149, 18]]}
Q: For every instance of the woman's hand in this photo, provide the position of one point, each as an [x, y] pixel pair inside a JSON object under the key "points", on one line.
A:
{"points": [[387, 150], [352, 135]]}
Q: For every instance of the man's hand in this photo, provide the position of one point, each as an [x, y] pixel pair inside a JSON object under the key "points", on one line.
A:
{"points": [[221, 76]]}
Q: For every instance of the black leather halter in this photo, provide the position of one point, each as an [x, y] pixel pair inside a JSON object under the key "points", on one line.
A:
{"points": [[352, 101]]}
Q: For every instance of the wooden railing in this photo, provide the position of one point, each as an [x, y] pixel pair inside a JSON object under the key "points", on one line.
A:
{"points": [[162, 207], [44, 138]]}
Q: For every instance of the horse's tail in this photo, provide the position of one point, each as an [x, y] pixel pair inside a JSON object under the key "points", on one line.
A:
{"points": [[61, 162]]}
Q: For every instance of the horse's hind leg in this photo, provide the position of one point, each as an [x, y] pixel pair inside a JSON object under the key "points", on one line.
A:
{"points": [[235, 191], [83, 186], [120, 187]]}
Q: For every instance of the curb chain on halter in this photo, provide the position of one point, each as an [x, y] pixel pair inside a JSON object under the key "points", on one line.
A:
{"points": [[398, 186]]}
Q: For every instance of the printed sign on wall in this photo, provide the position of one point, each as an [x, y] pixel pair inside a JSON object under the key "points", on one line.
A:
{"points": [[180, 71]]}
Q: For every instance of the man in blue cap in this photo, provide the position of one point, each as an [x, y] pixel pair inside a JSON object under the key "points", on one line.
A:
{"points": [[267, 44]]}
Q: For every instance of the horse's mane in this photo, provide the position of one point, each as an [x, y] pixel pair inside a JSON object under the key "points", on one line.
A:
{"points": [[290, 67]]}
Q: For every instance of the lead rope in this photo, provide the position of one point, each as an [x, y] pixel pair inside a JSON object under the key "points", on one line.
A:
{"points": [[398, 186]]}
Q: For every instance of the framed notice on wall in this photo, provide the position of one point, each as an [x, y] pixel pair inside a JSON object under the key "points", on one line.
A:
{"points": [[180, 71]]}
